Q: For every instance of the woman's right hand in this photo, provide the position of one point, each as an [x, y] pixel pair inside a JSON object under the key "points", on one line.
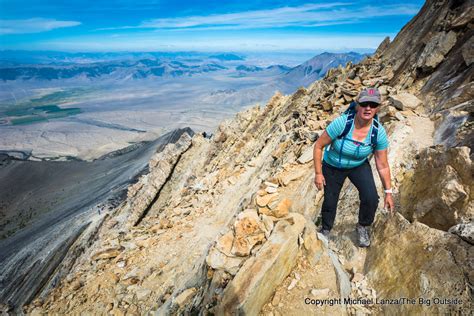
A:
{"points": [[319, 181]]}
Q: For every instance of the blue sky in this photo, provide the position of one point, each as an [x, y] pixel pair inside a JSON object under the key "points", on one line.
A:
{"points": [[163, 25]]}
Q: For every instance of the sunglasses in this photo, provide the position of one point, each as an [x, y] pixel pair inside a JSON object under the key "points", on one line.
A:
{"points": [[372, 105]]}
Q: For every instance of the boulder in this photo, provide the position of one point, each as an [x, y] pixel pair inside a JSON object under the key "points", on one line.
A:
{"points": [[403, 101], [283, 208], [249, 230], [413, 260], [446, 203]]}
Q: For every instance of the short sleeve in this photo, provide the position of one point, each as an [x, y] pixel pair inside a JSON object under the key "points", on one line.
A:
{"points": [[336, 127], [382, 140]]}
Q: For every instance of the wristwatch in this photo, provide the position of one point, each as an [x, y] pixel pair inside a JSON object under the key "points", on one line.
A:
{"points": [[388, 191]]}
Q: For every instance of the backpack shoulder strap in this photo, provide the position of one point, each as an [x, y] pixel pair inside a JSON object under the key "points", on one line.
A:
{"points": [[375, 132], [350, 118]]}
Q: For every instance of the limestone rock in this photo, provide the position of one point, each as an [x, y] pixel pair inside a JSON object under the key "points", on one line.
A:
{"points": [[224, 244], [413, 260], [271, 189], [445, 204], [271, 184], [283, 208], [142, 294], [249, 230], [265, 199], [327, 106], [247, 223], [357, 277], [405, 101], [219, 261], [160, 165], [256, 281], [286, 177], [183, 298], [356, 81], [399, 116], [307, 155], [268, 223], [312, 245], [108, 253]]}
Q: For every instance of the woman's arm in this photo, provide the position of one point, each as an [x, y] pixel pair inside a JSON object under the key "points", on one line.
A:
{"points": [[381, 162], [322, 141]]}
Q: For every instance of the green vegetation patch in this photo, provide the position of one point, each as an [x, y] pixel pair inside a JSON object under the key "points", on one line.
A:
{"points": [[42, 108], [27, 120]]}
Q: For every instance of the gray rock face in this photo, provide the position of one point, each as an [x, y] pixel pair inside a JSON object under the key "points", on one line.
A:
{"points": [[427, 54], [436, 49]]}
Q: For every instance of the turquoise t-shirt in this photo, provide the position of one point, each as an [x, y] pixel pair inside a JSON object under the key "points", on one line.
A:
{"points": [[354, 153]]}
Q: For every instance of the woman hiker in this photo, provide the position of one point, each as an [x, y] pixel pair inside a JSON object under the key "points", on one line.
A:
{"points": [[352, 137]]}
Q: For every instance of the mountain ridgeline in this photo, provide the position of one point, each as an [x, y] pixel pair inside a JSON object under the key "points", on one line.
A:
{"points": [[139, 67]]}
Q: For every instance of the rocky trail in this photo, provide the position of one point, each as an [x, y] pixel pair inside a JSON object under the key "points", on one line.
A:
{"points": [[227, 225]]}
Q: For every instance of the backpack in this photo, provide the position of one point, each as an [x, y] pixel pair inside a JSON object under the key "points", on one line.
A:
{"points": [[351, 112]]}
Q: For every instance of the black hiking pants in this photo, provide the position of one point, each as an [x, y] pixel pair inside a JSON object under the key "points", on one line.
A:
{"points": [[363, 179]]}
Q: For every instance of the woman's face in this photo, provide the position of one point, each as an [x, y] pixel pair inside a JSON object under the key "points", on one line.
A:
{"points": [[366, 112]]}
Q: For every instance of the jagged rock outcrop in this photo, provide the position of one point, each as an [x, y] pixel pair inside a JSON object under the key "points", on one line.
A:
{"points": [[412, 260], [231, 228], [254, 283], [141, 194], [443, 198]]}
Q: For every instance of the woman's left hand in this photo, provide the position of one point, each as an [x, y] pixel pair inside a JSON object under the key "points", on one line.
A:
{"points": [[389, 203]]}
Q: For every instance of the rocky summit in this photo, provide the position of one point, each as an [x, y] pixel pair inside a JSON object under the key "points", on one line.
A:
{"points": [[226, 225]]}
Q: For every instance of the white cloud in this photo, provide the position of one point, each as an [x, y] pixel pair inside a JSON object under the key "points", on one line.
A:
{"points": [[308, 15], [234, 43], [34, 25]]}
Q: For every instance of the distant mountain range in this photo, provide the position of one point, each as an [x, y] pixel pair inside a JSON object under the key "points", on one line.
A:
{"points": [[134, 69], [98, 66]]}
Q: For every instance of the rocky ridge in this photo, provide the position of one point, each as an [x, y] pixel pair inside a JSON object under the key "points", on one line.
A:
{"points": [[230, 228]]}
